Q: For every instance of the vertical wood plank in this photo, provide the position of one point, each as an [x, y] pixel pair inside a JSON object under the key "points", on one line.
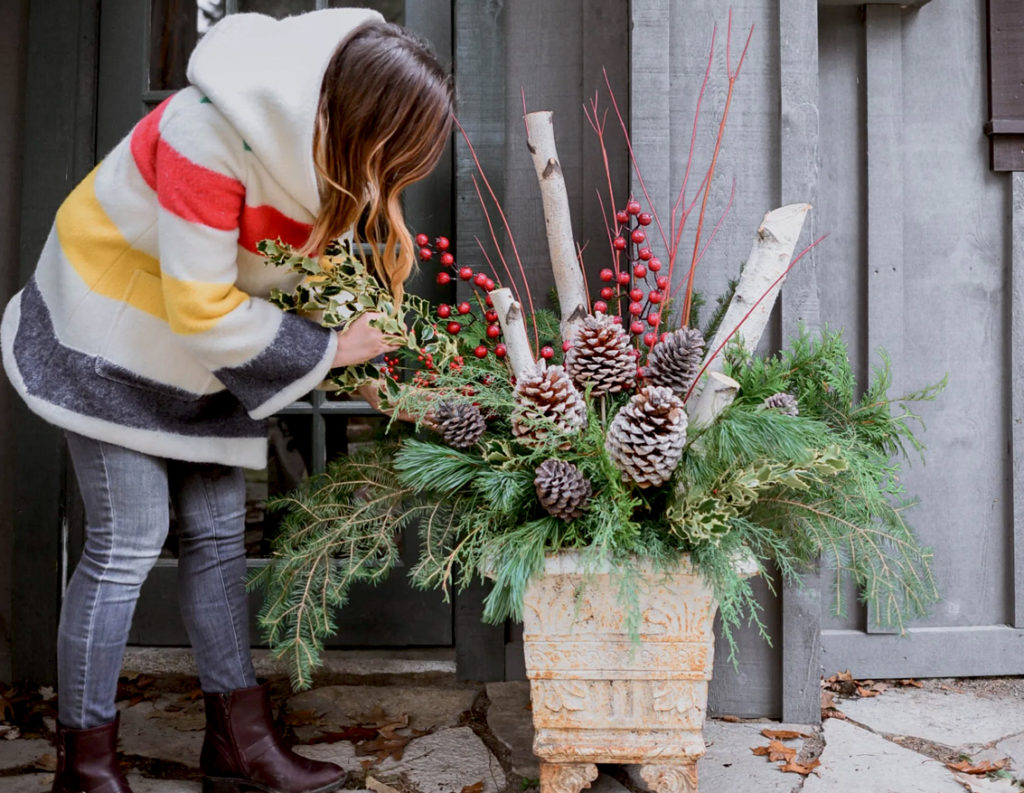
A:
{"points": [[886, 308], [479, 647], [60, 121], [1017, 389], [798, 143]]}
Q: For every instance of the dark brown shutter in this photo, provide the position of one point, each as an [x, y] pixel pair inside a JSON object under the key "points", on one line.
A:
{"points": [[1006, 84]]}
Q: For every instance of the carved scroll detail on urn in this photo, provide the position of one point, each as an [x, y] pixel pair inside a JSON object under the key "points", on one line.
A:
{"points": [[567, 777], [671, 778]]}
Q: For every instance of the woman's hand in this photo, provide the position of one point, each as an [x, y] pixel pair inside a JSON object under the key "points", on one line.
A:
{"points": [[361, 342]]}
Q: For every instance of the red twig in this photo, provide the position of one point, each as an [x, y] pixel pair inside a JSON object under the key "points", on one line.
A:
{"points": [[746, 316], [504, 220], [718, 224], [733, 75], [609, 219], [511, 280]]}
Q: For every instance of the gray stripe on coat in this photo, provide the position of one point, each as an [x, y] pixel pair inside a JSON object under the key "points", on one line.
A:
{"points": [[93, 386], [298, 347]]}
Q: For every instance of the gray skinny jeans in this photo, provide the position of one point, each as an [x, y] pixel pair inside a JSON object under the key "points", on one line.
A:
{"points": [[126, 495]]}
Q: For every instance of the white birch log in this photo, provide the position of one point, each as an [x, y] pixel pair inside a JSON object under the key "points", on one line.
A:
{"points": [[718, 393], [769, 257], [572, 292], [513, 329]]}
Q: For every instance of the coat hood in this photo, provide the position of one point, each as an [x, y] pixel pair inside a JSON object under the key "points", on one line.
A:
{"points": [[264, 75]]}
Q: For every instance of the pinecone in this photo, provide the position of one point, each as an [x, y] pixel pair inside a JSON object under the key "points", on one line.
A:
{"points": [[646, 437], [675, 361], [546, 395], [460, 423], [562, 489], [601, 355], [783, 402]]}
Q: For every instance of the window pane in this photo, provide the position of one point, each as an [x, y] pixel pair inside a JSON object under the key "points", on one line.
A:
{"points": [[276, 8], [393, 10]]}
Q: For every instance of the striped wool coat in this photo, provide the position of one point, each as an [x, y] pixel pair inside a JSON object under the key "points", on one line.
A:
{"points": [[145, 323]]}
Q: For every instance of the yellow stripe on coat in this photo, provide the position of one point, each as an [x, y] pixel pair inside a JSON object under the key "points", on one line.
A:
{"points": [[106, 262]]}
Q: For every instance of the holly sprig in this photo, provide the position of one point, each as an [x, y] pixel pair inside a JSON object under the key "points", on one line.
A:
{"points": [[336, 289]]}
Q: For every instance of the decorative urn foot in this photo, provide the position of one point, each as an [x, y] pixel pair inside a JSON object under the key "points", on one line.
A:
{"points": [[671, 778], [566, 777]]}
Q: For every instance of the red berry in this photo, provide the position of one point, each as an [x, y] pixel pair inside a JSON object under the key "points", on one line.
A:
{"points": [[547, 352], [663, 336], [636, 294], [636, 354], [481, 280], [488, 301], [480, 351], [636, 309], [444, 311], [607, 293], [491, 316], [425, 254], [621, 217], [655, 296], [489, 286], [640, 271], [607, 275], [645, 218], [443, 278], [654, 264], [662, 281], [601, 306], [464, 307], [650, 339], [566, 346], [624, 278], [454, 327], [493, 331], [617, 320], [465, 273], [653, 319], [636, 327], [442, 243], [619, 243], [633, 207], [422, 239], [500, 350], [644, 254], [447, 259], [638, 236]]}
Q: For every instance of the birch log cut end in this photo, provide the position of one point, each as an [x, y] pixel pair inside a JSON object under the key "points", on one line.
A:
{"points": [[718, 393]]}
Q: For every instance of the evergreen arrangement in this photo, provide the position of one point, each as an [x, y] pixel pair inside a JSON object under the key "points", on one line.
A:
{"points": [[600, 430]]}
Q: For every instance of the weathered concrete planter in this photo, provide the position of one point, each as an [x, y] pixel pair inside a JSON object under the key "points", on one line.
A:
{"points": [[600, 697]]}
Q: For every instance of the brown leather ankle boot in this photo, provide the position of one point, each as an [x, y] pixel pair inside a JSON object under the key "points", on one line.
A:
{"points": [[87, 760], [243, 751]]}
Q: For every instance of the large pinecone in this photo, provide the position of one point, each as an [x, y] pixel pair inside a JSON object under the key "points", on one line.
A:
{"points": [[546, 396], [601, 356], [675, 361], [783, 402], [646, 437], [562, 488], [460, 423]]}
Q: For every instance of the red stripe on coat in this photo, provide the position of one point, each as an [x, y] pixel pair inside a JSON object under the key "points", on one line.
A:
{"points": [[144, 140], [266, 222], [195, 193]]}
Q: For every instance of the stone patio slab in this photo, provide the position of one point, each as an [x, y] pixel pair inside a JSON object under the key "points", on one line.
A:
{"points": [[149, 729], [443, 762], [960, 720], [1013, 748], [856, 760], [510, 719], [343, 706], [141, 784], [340, 753], [22, 752], [26, 783]]}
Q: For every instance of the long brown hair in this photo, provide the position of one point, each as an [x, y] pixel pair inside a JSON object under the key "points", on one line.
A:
{"points": [[384, 120]]}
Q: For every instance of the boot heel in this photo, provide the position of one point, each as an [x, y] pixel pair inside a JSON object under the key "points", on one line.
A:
{"points": [[222, 785]]}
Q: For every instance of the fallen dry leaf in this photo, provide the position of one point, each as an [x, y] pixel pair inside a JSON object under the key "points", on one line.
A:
{"points": [[301, 718], [980, 769], [476, 787], [775, 751], [909, 682], [730, 719], [793, 767], [46, 762], [783, 735], [864, 691]]}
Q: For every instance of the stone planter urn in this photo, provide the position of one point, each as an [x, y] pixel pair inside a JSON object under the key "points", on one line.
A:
{"points": [[600, 696]]}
